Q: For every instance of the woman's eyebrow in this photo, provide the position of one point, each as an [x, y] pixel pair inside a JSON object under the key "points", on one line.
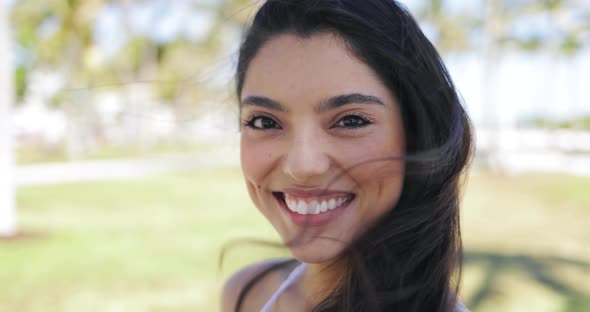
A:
{"points": [[345, 99], [263, 102], [330, 103]]}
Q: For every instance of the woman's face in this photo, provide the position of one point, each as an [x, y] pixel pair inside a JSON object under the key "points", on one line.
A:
{"points": [[313, 117]]}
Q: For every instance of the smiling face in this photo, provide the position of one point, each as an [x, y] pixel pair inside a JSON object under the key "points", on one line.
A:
{"points": [[314, 120]]}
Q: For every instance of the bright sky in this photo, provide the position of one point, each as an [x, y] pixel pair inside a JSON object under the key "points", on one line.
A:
{"points": [[163, 21]]}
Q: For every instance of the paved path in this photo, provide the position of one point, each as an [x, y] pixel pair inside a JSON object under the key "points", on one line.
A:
{"points": [[124, 168]]}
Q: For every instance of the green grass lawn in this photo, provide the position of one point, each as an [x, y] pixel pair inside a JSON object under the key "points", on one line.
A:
{"points": [[154, 244]]}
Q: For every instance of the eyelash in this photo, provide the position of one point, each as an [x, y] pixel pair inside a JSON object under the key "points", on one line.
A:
{"points": [[250, 122], [365, 121]]}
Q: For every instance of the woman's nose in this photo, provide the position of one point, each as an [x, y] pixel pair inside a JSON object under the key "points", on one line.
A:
{"points": [[306, 158]]}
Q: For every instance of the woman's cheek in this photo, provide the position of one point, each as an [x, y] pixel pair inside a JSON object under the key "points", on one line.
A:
{"points": [[252, 164], [362, 155], [256, 166], [378, 167]]}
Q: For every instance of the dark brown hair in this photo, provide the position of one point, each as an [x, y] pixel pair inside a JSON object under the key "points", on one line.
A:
{"points": [[411, 259]]}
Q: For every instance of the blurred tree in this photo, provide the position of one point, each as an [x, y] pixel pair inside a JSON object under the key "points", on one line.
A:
{"points": [[7, 202], [492, 110], [559, 32], [59, 36], [189, 67], [566, 25], [506, 25], [452, 31]]}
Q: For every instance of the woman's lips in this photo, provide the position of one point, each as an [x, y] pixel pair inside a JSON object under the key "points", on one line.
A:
{"points": [[316, 210]]}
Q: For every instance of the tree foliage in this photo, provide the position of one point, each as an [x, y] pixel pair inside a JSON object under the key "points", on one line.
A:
{"points": [[59, 34]]}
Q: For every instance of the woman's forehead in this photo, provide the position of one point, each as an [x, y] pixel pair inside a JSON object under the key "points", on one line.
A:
{"points": [[316, 67]]}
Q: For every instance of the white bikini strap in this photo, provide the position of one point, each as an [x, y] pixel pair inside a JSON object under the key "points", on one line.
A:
{"points": [[290, 279]]}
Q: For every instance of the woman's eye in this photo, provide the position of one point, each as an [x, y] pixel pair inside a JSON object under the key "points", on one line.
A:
{"points": [[352, 121], [261, 123]]}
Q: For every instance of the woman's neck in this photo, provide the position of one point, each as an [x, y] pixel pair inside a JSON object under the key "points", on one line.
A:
{"points": [[320, 279]]}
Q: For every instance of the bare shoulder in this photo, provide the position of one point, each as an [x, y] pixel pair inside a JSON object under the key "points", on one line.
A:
{"points": [[267, 272]]}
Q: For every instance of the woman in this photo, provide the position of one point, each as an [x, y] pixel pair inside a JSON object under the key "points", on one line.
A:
{"points": [[353, 141]]}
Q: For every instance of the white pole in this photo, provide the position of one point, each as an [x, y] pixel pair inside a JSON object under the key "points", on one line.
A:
{"points": [[7, 202]]}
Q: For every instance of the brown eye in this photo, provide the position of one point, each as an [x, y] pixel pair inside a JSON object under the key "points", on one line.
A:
{"points": [[352, 121], [262, 123]]}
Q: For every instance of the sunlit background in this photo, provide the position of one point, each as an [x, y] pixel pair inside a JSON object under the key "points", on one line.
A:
{"points": [[119, 163]]}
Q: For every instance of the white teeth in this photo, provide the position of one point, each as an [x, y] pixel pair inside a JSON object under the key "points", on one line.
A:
{"points": [[324, 206], [302, 207], [331, 204], [315, 206], [291, 204]]}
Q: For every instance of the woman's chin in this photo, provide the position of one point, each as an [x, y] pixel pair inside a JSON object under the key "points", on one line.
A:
{"points": [[316, 252]]}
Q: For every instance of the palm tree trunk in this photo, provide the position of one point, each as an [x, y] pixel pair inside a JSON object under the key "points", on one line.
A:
{"points": [[7, 202], [490, 108]]}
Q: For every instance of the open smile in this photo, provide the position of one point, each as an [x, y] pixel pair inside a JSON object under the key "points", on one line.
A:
{"points": [[313, 210]]}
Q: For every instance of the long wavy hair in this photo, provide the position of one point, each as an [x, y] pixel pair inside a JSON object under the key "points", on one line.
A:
{"points": [[410, 260]]}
